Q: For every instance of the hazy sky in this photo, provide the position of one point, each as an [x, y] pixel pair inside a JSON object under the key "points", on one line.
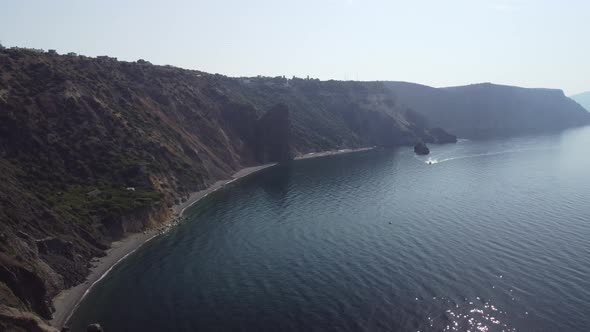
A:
{"points": [[532, 43]]}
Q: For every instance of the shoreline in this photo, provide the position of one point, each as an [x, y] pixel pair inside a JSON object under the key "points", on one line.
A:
{"points": [[68, 300], [331, 153]]}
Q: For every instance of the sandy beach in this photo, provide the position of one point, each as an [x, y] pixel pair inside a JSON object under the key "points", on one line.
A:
{"points": [[331, 153], [66, 302]]}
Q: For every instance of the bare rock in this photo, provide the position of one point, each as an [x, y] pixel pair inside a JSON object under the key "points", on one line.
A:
{"points": [[421, 149]]}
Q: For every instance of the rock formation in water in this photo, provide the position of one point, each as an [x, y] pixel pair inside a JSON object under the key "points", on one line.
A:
{"points": [[421, 149]]}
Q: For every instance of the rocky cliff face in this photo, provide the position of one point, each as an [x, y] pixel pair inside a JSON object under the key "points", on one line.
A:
{"points": [[93, 149], [273, 136], [14, 320]]}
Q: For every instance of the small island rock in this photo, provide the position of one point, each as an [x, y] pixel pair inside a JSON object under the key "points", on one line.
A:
{"points": [[421, 149]]}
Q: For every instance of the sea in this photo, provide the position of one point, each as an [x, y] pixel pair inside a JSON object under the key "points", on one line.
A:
{"points": [[490, 235]]}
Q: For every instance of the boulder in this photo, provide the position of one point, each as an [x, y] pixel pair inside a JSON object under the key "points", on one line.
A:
{"points": [[421, 149]]}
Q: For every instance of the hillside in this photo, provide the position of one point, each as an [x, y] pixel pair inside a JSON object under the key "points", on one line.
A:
{"points": [[94, 148], [489, 110], [583, 99]]}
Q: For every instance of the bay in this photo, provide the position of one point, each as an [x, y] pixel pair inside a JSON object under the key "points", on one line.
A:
{"points": [[480, 235]]}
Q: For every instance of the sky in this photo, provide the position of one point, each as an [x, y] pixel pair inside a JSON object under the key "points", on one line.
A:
{"points": [[530, 43]]}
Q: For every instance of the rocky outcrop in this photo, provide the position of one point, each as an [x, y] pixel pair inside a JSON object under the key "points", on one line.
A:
{"points": [[439, 136], [421, 149], [273, 135], [14, 320], [55, 246], [28, 281]]}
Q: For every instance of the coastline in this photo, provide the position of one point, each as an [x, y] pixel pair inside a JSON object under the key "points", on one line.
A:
{"points": [[67, 301], [331, 153]]}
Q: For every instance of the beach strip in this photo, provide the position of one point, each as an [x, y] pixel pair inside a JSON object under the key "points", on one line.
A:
{"points": [[66, 302]]}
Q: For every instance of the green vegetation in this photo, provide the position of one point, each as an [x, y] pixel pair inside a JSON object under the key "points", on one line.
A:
{"points": [[101, 202]]}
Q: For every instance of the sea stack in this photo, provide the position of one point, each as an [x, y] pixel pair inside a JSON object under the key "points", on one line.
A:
{"points": [[421, 149]]}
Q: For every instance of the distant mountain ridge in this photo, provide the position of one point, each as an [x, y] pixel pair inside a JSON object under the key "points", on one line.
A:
{"points": [[489, 110], [583, 99]]}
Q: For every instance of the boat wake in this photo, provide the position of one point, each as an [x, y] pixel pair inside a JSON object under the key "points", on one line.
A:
{"points": [[439, 159]]}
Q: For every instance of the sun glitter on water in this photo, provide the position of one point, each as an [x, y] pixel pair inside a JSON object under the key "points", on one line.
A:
{"points": [[476, 315]]}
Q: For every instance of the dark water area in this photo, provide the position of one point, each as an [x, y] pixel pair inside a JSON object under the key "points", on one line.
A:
{"points": [[493, 236]]}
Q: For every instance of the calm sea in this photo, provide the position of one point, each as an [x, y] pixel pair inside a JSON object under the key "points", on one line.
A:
{"points": [[492, 236]]}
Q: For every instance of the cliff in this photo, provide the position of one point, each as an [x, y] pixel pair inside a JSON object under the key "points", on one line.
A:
{"points": [[490, 110], [93, 149]]}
